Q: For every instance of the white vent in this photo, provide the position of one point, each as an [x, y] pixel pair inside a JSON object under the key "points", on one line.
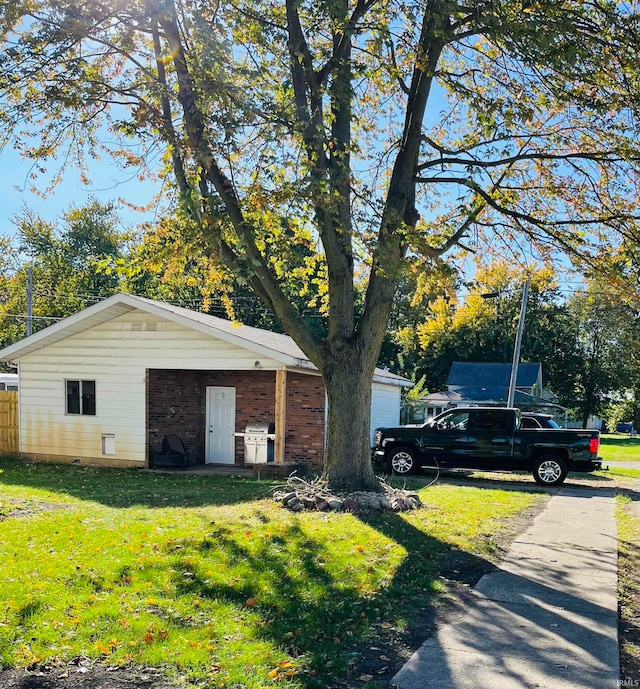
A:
{"points": [[108, 444], [136, 327], [151, 326]]}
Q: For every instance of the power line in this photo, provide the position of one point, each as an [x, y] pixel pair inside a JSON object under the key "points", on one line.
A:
{"points": [[25, 316]]}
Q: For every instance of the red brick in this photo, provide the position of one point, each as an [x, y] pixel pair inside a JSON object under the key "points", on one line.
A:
{"points": [[176, 404]]}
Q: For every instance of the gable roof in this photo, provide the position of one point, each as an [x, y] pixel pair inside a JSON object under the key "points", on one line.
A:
{"points": [[263, 342], [471, 374]]}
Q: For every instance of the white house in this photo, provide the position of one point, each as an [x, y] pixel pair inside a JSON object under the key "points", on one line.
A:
{"points": [[8, 381], [105, 385]]}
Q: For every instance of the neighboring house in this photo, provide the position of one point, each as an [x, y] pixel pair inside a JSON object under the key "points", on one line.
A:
{"points": [[105, 385], [8, 381], [487, 384]]}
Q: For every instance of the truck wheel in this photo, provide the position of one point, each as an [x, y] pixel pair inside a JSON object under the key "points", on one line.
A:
{"points": [[402, 460], [550, 470]]}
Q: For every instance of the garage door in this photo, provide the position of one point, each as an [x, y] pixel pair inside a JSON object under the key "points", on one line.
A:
{"points": [[385, 406]]}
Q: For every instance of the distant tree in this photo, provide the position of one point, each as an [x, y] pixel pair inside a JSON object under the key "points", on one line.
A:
{"points": [[167, 263], [608, 351], [475, 328], [73, 264]]}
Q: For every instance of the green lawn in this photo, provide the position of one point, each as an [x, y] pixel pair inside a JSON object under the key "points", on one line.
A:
{"points": [[617, 447], [207, 578], [629, 589]]}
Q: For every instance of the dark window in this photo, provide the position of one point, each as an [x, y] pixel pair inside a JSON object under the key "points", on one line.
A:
{"points": [[81, 397], [492, 421], [529, 422]]}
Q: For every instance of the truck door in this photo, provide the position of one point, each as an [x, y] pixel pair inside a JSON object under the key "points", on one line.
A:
{"points": [[448, 438], [492, 432]]}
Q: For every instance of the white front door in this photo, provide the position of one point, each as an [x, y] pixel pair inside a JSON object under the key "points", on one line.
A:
{"points": [[220, 444]]}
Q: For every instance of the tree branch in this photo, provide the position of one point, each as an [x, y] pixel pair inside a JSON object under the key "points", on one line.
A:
{"points": [[255, 268], [400, 208], [525, 217], [600, 156]]}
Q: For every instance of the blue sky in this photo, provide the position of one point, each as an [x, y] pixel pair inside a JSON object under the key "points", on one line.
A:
{"points": [[108, 183]]}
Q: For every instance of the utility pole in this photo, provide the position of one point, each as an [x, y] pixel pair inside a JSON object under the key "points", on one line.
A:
{"points": [[29, 300], [516, 350]]}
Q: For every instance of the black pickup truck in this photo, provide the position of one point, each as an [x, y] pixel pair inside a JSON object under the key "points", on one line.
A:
{"points": [[487, 438]]}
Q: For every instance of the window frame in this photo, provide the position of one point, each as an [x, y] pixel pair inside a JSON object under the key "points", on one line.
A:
{"points": [[86, 400]]}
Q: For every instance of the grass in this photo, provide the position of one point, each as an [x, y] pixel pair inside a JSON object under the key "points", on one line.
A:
{"points": [[629, 588], [618, 471], [208, 579], [615, 447]]}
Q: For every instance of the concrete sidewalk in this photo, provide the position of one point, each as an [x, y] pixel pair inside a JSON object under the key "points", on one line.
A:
{"points": [[548, 618]]}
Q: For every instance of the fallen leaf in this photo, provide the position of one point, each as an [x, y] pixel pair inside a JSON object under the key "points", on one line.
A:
{"points": [[365, 678]]}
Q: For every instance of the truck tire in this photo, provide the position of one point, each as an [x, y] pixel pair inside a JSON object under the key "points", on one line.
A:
{"points": [[550, 470], [402, 461]]}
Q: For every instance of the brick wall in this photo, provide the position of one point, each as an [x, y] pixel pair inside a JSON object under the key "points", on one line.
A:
{"points": [[176, 404], [304, 440]]}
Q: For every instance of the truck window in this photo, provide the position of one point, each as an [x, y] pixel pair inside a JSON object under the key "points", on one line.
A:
{"points": [[490, 420], [458, 420], [528, 422]]}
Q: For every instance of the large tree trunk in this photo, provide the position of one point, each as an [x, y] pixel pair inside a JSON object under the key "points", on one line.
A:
{"points": [[348, 447]]}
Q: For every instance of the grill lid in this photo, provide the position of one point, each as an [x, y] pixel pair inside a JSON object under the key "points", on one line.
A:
{"points": [[256, 427]]}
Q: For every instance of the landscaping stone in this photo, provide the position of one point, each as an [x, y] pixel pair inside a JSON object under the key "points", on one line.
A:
{"points": [[314, 495], [415, 497], [294, 504], [288, 496]]}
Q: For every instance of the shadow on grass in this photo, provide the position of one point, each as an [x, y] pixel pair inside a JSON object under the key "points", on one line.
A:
{"points": [[326, 611], [130, 487], [517, 481], [345, 630], [308, 596], [629, 598]]}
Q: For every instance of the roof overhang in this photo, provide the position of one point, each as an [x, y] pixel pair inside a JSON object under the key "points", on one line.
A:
{"points": [[119, 305]]}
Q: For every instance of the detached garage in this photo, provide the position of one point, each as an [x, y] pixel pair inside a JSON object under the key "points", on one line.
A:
{"points": [[109, 384]]}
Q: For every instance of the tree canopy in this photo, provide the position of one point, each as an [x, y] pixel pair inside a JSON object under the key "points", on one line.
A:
{"points": [[585, 340], [72, 262], [343, 140]]}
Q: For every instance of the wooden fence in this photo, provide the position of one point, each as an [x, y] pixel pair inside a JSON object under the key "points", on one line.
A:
{"points": [[8, 422]]}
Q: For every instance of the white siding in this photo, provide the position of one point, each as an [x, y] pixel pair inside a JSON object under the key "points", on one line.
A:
{"points": [[115, 354], [385, 406]]}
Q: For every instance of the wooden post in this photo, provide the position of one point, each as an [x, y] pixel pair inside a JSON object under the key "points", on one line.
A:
{"points": [[281, 416]]}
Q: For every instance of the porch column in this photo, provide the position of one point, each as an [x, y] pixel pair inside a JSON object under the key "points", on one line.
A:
{"points": [[281, 416]]}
